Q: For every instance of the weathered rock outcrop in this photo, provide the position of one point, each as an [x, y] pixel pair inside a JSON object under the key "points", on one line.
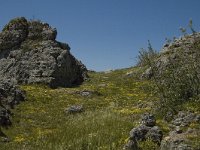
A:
{"points": [[29, 53], [147, 130], [170, 53]]}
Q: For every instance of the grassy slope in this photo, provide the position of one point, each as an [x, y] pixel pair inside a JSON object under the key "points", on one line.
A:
{"points": [[41, 122]]}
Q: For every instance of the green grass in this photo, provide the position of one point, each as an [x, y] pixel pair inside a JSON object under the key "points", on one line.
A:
{"points": [[41, 123]]}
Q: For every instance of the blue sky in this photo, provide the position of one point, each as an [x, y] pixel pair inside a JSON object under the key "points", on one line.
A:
{"points": [[107, 34]]}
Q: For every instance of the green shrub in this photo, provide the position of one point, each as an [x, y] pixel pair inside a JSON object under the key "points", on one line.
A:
{"points": [[146, 55], [178, 80]]}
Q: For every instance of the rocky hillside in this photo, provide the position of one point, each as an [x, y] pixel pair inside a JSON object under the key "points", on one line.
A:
{"points": [[118, 109]]}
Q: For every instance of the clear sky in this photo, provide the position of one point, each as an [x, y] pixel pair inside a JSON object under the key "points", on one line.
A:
{"points": [[107, 34]]}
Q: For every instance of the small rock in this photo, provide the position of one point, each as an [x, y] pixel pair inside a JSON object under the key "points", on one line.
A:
{"points": [[177, 122], [74, 109], [129, 74], [148, 120], [178, 130], [139, 133], [148, 74], [85, 93]]}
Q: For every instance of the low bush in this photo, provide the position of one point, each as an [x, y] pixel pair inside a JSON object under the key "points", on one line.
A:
{"points": [[177, 80]]}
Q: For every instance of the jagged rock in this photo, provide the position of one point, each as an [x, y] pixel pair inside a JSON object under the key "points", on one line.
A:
{"points": [[39, 30], [148, 120], [29, 53], [74, 109], [147, 130], [139, 133]]}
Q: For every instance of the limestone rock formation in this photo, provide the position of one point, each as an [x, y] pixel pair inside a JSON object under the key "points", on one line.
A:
{"points": [[29, 53]]}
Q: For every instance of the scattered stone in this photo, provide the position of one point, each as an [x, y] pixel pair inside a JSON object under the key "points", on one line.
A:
{"points": [[74, 109]]}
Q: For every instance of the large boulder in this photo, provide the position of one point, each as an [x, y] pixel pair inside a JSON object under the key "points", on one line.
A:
{"points": [[29, 53]]}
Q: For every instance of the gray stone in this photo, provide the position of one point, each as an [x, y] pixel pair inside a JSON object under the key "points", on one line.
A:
{"points": [[88, 93], [148, 120], [155, 134], [139, 133], [74, 109]]}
